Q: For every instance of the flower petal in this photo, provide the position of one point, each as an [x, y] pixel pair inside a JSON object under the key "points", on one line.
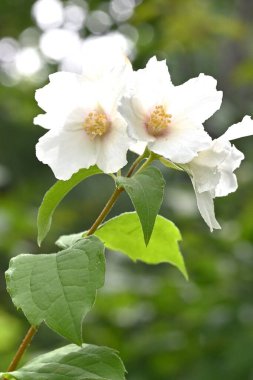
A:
{"points": [[206, 178], [228, 180], [159, 71], [113, 86], [138, 147], [65, 93], [113, 147], [59, 93], [205, 168], [206, 208], [152, 84], [49, 121], [196, 99], [66, 152], [181, 145], [242, 129], [132, 110], [214, 155]]}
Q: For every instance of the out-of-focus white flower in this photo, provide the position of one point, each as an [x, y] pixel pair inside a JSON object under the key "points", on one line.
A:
{"points": [[94, 55], [84, 125], [212, 171], [98, 53], [169, 118]]}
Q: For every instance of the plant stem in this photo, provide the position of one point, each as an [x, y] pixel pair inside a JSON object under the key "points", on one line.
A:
{"points": [[105, 210], [135, 164], [32, 331], [21, 350], [150, 159]]}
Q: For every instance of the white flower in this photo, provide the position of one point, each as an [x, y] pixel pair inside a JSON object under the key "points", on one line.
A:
{"points": [[169, 118], [95, 54], [212, 172], [84, 125], [98, 53]]}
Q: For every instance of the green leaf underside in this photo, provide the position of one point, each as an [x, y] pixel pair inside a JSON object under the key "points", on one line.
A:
{"points": [[66, 241], [170, 164], [55, 195], [72, 362], [123, 233], [59, 288], [146, 192]]}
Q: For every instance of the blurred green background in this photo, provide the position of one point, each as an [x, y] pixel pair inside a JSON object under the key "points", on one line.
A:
{"points": [[163, 327]]}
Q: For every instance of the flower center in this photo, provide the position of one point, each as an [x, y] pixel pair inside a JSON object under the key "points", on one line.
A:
{"points": [[96, 124], [158, 121]]}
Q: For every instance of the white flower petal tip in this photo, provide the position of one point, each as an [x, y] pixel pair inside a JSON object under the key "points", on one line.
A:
{"points": [[38, 120], [158, 67], [242, 129], [206, 208], [199, 98], [169, 118]]}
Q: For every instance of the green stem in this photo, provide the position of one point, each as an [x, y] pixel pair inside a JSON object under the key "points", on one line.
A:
{"points": [[22, 348], [105, 210], [150, 159], [136, 163]]}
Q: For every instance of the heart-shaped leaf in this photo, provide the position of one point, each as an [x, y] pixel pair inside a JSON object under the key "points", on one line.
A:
{"points": [[59, 288]]}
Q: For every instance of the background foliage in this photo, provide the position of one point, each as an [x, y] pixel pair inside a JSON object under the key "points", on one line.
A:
{"points": [[164, 327]]}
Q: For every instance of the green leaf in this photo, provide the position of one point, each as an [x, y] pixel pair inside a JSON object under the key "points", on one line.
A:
{"points": [[59, 288], [87, 362], [146, 192], [123, 234], [55, 195]]}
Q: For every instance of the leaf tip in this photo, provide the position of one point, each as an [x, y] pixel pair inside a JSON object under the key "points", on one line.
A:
{"points": [[184, 272], [77, 339], [147, 239], [40, 239]]}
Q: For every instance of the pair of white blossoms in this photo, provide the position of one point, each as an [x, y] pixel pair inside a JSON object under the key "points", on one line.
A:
{"points": [[96, 117]]}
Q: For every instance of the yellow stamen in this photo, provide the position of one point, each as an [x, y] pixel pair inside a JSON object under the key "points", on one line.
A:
{"points": [[96, 124], [158, 121]]}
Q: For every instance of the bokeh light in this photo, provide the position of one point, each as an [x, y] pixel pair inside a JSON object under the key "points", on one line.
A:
{"points": [[48, 13], [99, 22], [28, 61], [58, 43], [122, 10], [74, 17]]}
